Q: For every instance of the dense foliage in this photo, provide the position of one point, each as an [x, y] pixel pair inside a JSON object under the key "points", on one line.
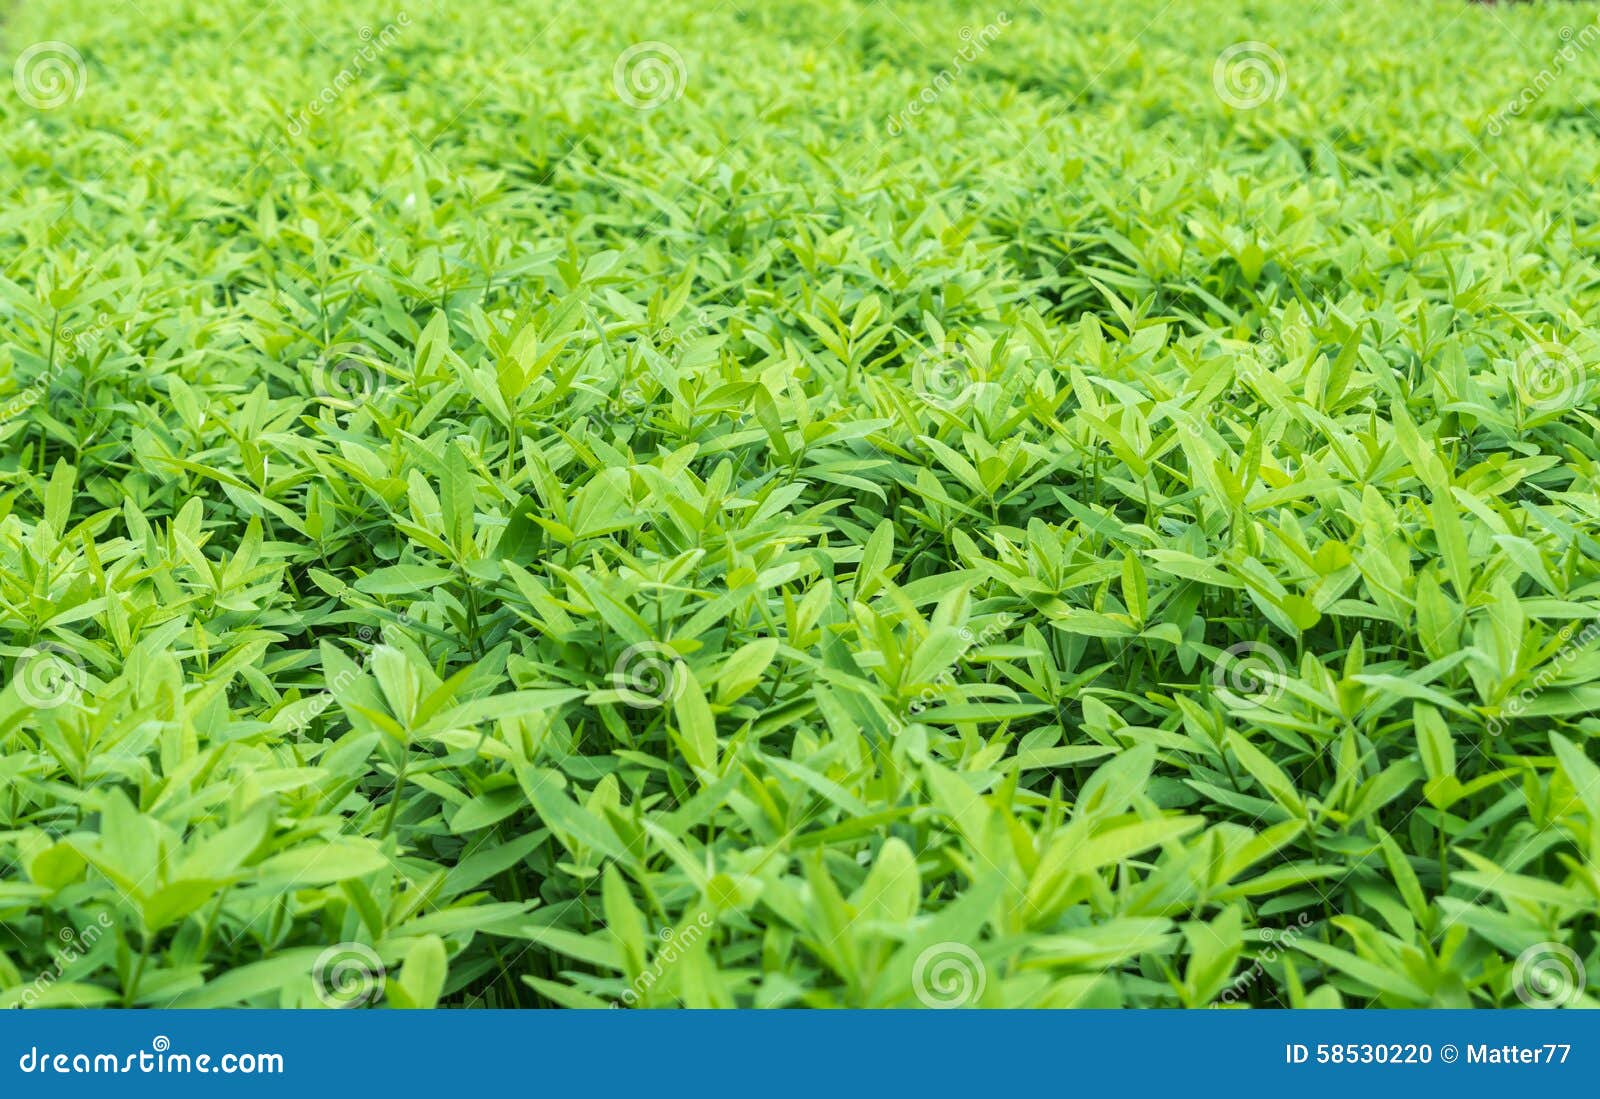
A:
{"points": [[765, 504]]}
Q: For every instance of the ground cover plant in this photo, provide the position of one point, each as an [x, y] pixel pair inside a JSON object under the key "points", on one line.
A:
{"points": [[832, 504]]}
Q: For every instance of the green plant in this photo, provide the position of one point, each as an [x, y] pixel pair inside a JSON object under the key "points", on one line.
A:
{"points": [[500, 528]]}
